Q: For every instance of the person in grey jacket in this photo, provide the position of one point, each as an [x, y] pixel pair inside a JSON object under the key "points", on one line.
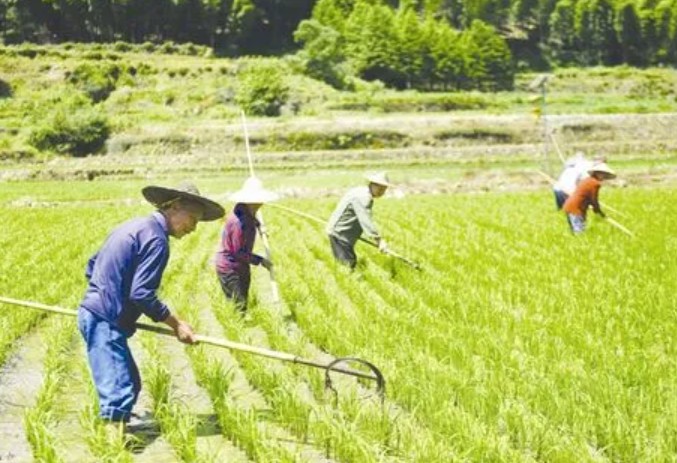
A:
{"points": [[352, 217]]}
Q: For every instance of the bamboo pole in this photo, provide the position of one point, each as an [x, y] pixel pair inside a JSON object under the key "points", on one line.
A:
{"points": [[620, 227], [559, 152], [261, 229], [266, 246], [212, 341]]}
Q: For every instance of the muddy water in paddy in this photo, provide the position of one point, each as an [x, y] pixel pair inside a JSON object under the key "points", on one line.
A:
{"points": [[20, 380]]}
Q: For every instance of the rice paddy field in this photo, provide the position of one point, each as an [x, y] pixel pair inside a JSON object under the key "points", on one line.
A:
{"points": [[515, 342]]}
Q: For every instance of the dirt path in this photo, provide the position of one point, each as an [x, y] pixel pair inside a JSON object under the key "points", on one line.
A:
{"points": [[158, 450], [249, 397], [74, 396], [20, 380], [211, 444]]}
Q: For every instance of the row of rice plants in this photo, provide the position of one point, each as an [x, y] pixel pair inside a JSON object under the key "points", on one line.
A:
{"points": [[39, 420], [177, 424], [287, 395], [625, 275], [239, 422], [493, 341], [382, 423], [332, 319], [282, 389]]}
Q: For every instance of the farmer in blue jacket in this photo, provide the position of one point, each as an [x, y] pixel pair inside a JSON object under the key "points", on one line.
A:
{"points": [[123, 278]]}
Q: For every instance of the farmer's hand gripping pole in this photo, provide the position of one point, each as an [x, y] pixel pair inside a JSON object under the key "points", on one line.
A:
{"points": [[375, 374]]}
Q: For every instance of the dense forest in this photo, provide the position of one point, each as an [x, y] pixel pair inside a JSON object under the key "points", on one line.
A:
{"points": [[424, 44]]}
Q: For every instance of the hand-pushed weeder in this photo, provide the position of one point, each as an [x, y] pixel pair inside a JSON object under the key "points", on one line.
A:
{"points": [[332, 366]]}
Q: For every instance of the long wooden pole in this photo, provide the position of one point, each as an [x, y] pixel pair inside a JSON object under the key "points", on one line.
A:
{"points": [[246, 144], [559, 152], [262, 228], [201, 339], [410, 262], [266, 246], [620, 227]]}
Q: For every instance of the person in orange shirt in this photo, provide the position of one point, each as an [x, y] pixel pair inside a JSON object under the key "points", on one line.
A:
{"points": [[585, 196]]}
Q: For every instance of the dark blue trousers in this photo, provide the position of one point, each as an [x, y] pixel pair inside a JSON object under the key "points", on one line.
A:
{"points": [[115, 373]]}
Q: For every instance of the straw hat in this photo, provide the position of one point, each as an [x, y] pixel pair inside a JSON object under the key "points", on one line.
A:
{"points": [[252, 192], [159, 196], [603, 168], [380, 178]]}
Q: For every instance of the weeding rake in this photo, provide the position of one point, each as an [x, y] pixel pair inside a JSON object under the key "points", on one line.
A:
{"points": [[334, 366]]}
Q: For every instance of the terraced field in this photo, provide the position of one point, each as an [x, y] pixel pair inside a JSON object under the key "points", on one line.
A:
{"points": [[514, 343]]}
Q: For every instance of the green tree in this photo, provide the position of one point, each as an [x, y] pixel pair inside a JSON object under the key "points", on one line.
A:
{"points": [[629, 31], [562, 46], [333, 13], [489, 59], [449, 56], [666, 31], [322, 54], [411, 47], [594, 27], [370, 43]]}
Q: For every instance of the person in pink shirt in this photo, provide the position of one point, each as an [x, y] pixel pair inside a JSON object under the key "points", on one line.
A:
{"points": [[235, 254]]}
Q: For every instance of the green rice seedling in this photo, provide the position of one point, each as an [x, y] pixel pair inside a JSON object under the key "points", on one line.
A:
{"points": [[36, 423], [39, 420], [100, 445], [177, 423]]}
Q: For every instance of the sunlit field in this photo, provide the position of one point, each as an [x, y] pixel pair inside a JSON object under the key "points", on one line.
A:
{"points": [[515, 342]]}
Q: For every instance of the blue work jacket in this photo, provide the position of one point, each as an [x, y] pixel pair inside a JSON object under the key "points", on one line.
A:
{"points": [[124, 275]]}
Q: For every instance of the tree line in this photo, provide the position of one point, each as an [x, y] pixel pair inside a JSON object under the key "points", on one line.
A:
{"points": [[405, 43], [231, 27], [401, 48]]}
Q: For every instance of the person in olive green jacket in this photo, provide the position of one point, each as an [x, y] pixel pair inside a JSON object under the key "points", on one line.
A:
{"points": [[352, 217]]}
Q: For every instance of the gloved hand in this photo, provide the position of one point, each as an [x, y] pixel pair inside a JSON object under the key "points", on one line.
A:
{"points": [[382, 246], [267, 264]]}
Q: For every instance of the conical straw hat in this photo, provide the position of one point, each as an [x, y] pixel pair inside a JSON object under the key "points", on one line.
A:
{"points": [[252, 192], [604, 169], [380, 178], [159, 196]]}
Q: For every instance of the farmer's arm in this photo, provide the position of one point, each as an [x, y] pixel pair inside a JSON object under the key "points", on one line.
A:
{"points": [[362, 208], [90, 266], [143, 292], [146, 281], [594, 200], [238, 246]]}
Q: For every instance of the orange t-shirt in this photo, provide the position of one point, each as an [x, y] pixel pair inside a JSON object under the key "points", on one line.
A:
{"points": [[584, 196]]}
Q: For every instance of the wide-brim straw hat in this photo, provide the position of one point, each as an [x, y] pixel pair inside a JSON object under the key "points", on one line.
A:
{"points": [[602, 168], [252, 192], [160, 196], [380, 178]]}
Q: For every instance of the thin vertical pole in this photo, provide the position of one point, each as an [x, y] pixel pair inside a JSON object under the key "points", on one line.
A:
{"points": [[246, 144]]}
